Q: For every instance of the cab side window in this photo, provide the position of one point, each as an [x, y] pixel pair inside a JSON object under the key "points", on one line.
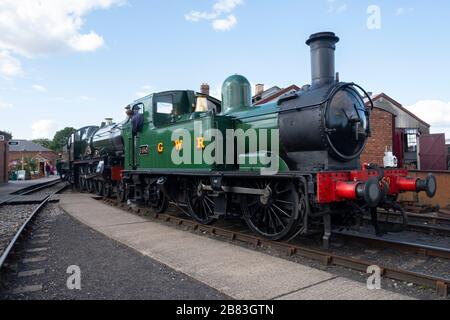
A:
{"points": [[163, 110], [164, 105], [171, 108]]}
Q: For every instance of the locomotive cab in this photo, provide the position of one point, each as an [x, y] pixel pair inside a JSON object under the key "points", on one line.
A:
{"points": [[79, 144]]}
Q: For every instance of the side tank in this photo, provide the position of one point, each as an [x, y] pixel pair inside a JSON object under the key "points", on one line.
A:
{"points": [[108, 140]]}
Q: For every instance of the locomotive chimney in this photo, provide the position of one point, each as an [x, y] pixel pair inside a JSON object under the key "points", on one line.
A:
{"points": [[323, 46], [204, 89], [109, 121]]}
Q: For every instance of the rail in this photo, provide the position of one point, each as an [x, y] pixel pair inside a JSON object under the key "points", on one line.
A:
{"points": [[29, 190], [23, 227]]}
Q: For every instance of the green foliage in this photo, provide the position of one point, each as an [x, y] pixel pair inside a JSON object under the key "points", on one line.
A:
{"points": [[31, 164], [6, 133], [46, 143], [60, 139]]}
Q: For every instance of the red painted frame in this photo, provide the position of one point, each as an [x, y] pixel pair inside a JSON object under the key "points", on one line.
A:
{"points": [[116, 173], [341, 186]]}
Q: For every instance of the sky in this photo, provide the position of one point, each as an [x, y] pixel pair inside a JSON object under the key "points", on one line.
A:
{"points": [[75, 62]]}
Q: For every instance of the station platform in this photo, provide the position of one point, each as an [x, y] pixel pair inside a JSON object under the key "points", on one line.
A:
{"points": [[235, 271], [6, 189]]}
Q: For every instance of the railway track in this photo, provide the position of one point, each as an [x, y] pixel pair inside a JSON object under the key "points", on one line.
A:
{"points": [[29, 190], [401, 245], [15, 223], [327, 258], [415, 217], [418, 223]]}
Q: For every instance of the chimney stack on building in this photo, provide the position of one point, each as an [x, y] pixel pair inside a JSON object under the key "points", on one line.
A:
{"points": [[204, 89], [259, 89]]}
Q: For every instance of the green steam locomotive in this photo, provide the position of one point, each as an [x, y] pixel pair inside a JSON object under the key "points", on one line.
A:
{"points": [[285, 167]]}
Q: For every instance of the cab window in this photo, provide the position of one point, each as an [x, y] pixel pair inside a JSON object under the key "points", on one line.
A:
{"points": [[140, 106], [170, 108], [163, 110], [84, 134], [164, 105]]}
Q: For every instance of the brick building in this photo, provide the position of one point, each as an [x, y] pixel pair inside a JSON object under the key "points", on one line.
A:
{"points": [[447, 142], [4, 159], [19, 150], [397, 129], [382, 124]]}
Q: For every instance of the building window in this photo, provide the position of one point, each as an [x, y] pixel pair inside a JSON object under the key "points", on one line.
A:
{"points": [[411, 140]]}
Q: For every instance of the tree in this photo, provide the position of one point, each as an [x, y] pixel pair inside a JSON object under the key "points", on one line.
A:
{"points": [[60, 139], [46, 143]]}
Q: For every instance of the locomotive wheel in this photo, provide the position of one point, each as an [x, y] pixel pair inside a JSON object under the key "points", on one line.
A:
{"points": [[90, 186], [99, 188], [275, 216], [81, 184], [160, 205], [121, 192], [107, 190], [200, 204]]}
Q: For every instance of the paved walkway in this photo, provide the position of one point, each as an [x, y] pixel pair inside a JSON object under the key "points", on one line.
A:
{"points": [[235, 271], [109, 270]]}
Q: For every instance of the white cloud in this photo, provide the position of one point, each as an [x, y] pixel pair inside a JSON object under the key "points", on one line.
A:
{"points": [[44, 129], [225, 24], [341, 8], [196, 16], [34, 28], [9, 66], [336, 8], [5, 105], [39, 88], [434, 112], [220, 8], [86, 42], [402, 11], [226, 6]]}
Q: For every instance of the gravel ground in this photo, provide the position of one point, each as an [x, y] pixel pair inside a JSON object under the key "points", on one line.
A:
{"points": [[109, 270], [50, 190], [11, 219]]}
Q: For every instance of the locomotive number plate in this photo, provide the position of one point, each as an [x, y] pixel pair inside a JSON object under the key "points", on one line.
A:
{"points": [[144, 150]]}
